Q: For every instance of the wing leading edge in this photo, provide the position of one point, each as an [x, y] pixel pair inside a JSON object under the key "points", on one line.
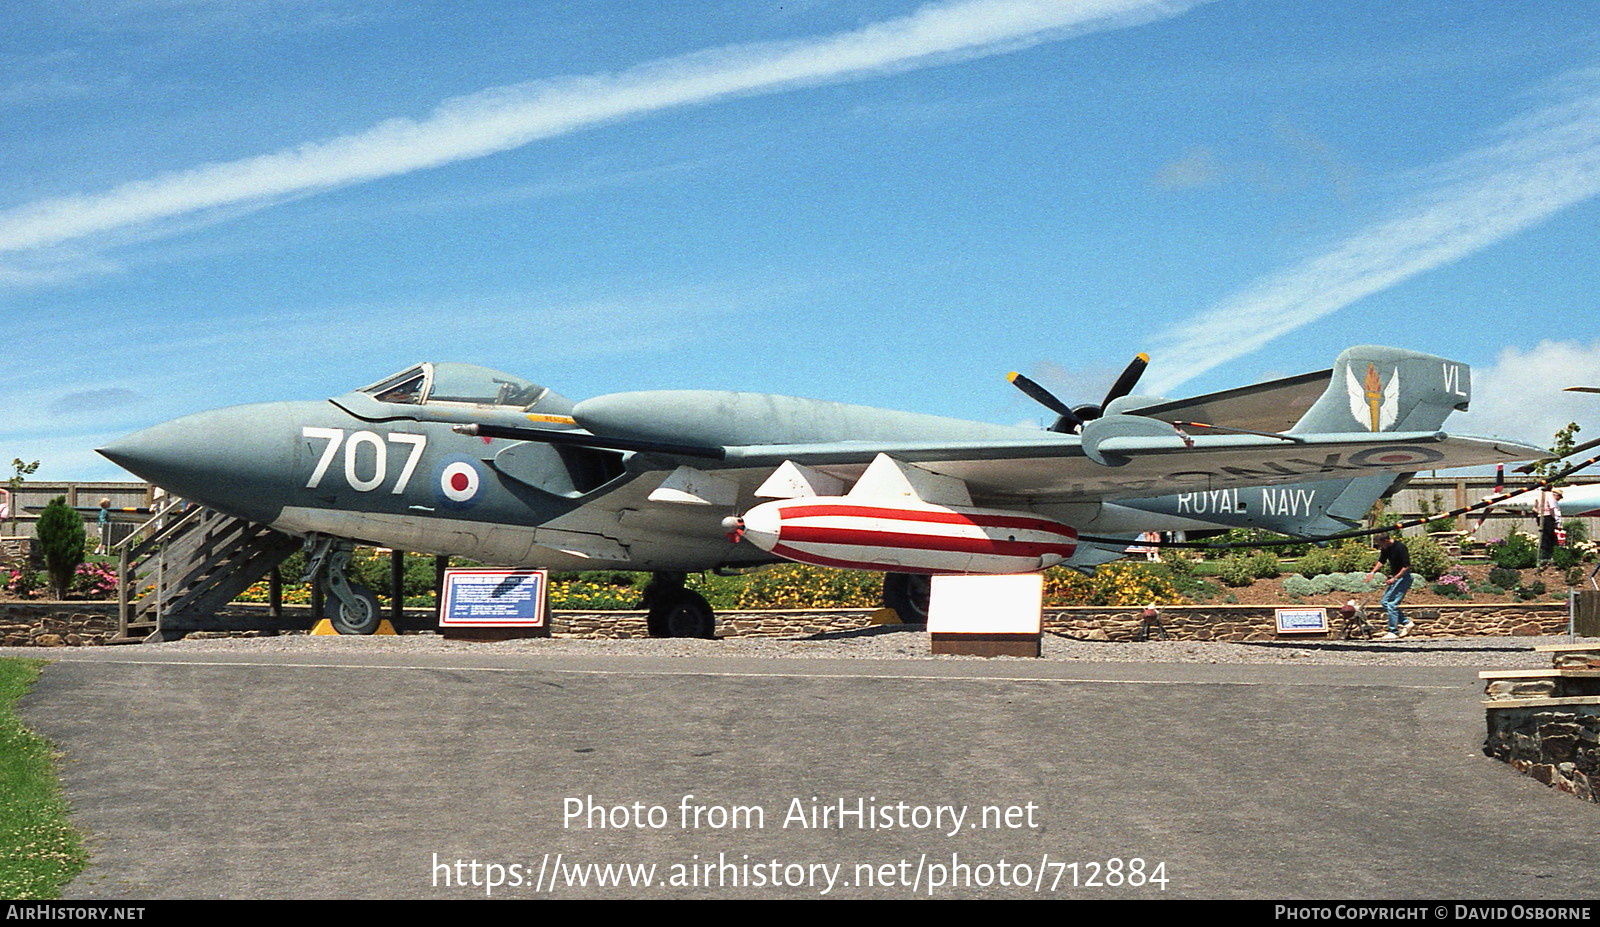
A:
{"points": [[1062, 471]]}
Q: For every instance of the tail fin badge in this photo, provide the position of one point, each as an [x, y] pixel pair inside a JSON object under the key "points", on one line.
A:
{"points": [[1374, 403]]}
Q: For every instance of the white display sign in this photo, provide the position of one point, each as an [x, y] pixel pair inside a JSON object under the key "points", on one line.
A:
{"points": [[986, 604], [1302, 620], [493, 599]]}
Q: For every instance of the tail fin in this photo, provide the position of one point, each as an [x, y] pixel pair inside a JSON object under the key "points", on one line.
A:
{"points": [[1387, 389], [1372, 389]]}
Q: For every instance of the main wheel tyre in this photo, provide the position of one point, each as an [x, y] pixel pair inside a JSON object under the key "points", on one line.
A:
{"points": [[907, 594], [682, 613], [361, 615]]}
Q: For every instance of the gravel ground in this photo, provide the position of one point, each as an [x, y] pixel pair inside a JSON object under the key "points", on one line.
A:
{"points": [[913, 644]]}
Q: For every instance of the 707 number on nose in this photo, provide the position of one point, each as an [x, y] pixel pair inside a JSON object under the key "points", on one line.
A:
{"points": [[378, 470]]}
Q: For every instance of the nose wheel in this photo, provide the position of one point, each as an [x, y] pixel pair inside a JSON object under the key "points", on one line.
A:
{"points": [[354, 608], [361, 614]]}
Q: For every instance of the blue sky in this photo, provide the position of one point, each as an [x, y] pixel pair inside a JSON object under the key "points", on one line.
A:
{"points": [[893, 203]]}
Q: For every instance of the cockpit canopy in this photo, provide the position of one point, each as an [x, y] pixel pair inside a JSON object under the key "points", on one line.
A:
{"points": [[464, 384]]}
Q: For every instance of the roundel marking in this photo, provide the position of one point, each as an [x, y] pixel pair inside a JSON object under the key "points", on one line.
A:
{"points": [[1399, 454], [459, 481]]}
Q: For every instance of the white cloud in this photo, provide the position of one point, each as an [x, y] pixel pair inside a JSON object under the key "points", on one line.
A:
{"points": [[1543, 163], [60, 407], [508, 117], [1521, 396]]}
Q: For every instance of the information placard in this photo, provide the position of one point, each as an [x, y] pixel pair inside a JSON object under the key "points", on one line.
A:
{"points": [[986, 616], [984, 604], [1302, 620], [494, 599]]}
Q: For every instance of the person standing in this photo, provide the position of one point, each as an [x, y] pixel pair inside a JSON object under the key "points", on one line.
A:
{"points": [[1547, 506], [103, 521], [1393, 554]]}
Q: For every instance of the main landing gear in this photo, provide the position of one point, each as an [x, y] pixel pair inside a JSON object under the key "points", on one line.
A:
{"points": [[353, 608], [907, 594], [675, 611]]}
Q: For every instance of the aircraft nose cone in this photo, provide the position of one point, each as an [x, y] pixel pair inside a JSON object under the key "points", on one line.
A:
{"points": [[173, 455], [150, 453], [232, 459]]}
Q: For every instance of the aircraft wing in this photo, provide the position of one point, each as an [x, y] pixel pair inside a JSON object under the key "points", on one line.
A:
{"points": [[1065, 469]]}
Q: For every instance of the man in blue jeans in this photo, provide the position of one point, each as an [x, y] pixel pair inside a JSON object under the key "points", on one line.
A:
{"points": [[1393, 554]]}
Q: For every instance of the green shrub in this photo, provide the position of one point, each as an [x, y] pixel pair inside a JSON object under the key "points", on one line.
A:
{"points": [[1573, 576], [1517, 552], [1329, 583], [579, 594], [1298, 586], [1531, 591], [1428, 559], [1264, 564], [1564, 558], [1432, 506], [374, 570], [1353, 555], [1317, 561], [1125, 582], [1577, 530], [1355, 582], [1504, 577], [1177, 560], [1236, 570], [62, 539], [1256, 536]]}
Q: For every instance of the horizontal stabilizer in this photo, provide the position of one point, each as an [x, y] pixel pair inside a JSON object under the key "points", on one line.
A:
{"points": [[1271, 406]]}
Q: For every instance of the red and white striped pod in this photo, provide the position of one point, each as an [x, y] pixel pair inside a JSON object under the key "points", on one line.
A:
{"points": [[837, 531]]}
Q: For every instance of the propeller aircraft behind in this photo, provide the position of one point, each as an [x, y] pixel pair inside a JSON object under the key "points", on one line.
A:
{"points": [[461, 460]]}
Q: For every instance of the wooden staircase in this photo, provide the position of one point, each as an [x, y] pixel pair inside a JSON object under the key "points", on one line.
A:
{"points": [[179, 569]]}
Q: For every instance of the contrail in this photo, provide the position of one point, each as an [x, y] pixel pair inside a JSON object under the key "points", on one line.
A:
{"points": [[1543, 162], [508, 117]]}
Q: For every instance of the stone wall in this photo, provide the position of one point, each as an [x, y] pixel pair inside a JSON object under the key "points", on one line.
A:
{"points": [[1557, 745], [75, 623], [1259, 623], [57, 624], [773, 623], [1186, 622]]}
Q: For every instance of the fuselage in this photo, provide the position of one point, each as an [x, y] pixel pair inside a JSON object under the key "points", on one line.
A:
{"points": [[646, 480], [398, 474]]}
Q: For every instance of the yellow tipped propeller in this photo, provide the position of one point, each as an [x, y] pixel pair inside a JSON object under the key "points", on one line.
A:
{"points": [[1070, 419]]}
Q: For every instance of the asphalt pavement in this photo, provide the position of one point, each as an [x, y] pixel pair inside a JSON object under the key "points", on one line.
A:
{"points": [[351, 774]]}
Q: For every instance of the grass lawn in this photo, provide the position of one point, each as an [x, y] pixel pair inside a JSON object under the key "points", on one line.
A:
{"points": [[39, 851]]}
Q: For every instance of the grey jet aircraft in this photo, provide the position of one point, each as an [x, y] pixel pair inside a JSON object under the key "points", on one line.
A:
{"points": [[460, 460]]}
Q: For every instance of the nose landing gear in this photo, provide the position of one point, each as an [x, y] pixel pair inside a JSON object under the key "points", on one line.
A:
{"points": [[354, 608]]}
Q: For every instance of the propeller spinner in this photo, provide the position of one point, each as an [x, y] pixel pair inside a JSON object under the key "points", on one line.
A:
{"points": [[1071, 419]]}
